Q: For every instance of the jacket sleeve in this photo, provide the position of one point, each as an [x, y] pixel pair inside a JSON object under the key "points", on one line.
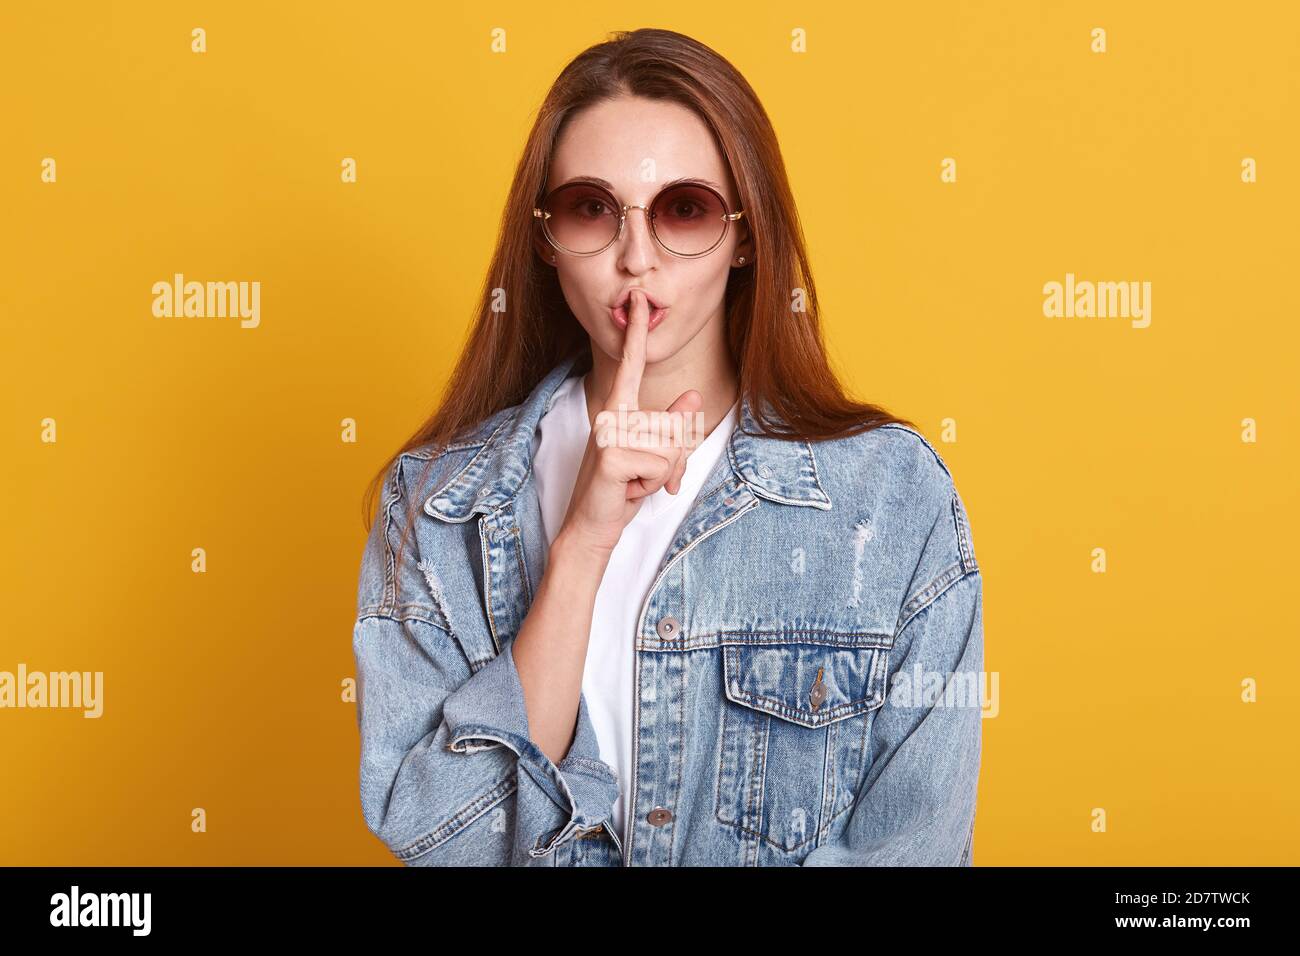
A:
{"points": [[449, 773], [917, 803]]}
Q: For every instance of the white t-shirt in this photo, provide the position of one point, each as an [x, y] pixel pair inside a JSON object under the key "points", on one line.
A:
{"points": [[609, 672]]}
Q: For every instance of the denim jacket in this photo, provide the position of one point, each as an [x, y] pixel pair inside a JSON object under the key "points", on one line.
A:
{"points": [[806, 580]]}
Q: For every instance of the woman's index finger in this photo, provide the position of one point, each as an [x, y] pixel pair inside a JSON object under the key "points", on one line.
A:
{"points": [[626, 389]]}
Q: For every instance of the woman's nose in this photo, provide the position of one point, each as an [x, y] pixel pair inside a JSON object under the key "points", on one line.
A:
{"points": [[638, 238]]}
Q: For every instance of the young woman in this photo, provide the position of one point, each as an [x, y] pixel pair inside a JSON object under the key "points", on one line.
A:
{"points": [[585, 639]]}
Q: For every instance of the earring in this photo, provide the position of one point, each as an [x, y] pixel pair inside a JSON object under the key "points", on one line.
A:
{"points": [[552, 258], [740, 260]]}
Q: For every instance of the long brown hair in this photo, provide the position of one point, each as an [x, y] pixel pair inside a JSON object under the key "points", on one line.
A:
{"points": [[778, 350]]}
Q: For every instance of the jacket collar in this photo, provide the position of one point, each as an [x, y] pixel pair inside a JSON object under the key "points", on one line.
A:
{"points": [[779, 469]]}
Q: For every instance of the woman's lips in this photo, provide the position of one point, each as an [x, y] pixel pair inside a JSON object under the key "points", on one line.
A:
{"points": [[619, 314]]}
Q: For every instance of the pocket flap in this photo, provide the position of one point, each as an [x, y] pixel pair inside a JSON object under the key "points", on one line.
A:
{"points": [[807, 684]]}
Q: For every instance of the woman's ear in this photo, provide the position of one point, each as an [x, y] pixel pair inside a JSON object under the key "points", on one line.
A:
{"points": [[745, 247], [544, 249]]}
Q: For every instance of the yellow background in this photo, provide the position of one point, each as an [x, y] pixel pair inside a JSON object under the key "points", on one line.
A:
{"points": [[1119, 691]]}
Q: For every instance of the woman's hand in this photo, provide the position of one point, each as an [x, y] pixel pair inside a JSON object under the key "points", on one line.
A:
{"points": [[627, 457]]}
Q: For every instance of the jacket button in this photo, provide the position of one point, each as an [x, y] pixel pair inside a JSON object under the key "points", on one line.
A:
{"points": [[764, 471], [658, 816], [817, 696], [818, 693], [668, 628]]}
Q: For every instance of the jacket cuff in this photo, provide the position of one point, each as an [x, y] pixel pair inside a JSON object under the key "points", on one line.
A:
{"points": [[488, 711]]}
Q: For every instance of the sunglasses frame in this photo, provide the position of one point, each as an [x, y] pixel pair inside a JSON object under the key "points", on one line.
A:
{"points": [[728, 217]]}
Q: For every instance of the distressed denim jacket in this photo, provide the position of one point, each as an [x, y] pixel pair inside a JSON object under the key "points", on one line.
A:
{"points": [[796, 662]]}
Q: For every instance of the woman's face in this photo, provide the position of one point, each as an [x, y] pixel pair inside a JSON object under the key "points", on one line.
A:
{"points": [[637, 145]]}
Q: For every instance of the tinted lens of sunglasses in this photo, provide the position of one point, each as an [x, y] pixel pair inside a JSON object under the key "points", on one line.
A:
{"points": [[688, 219], [583, 217]]}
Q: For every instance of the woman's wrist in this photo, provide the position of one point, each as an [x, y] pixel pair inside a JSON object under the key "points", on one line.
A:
{"points": [[576, 553]]}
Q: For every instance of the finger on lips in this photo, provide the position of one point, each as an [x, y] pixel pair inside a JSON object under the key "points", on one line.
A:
{"points": [[625, 393], [626, 387]]}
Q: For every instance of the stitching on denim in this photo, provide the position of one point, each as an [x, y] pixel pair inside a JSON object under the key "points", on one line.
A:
{"points": [[488, 584], [578, 764], [929, 604], [929, 594], [457, 822], [875, 639], [771, 705], [463, 746], [758, 767], [868, 721], [860, 766], [766, 736], [463, 446], [924, 441], [866, 725], [693, 530], [423, 453], [817, 475], [722, 758], [523, 568], [413, 612], [486, 444], [681, 722], [830, 778], [963, 534], [559, 837], [390, 562], [477, 732], [722, 482]]}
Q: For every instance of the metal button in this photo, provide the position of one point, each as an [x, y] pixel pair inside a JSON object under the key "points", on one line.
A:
{"points": [[818, 692], [668, 628], [484, 492], [764, 471], [659, 816]]}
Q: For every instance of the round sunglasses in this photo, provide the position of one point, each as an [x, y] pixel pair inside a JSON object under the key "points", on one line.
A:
{"points": [[583, 218]]}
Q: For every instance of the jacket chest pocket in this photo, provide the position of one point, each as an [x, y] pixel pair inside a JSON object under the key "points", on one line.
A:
{"points": [[793, 738]]}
